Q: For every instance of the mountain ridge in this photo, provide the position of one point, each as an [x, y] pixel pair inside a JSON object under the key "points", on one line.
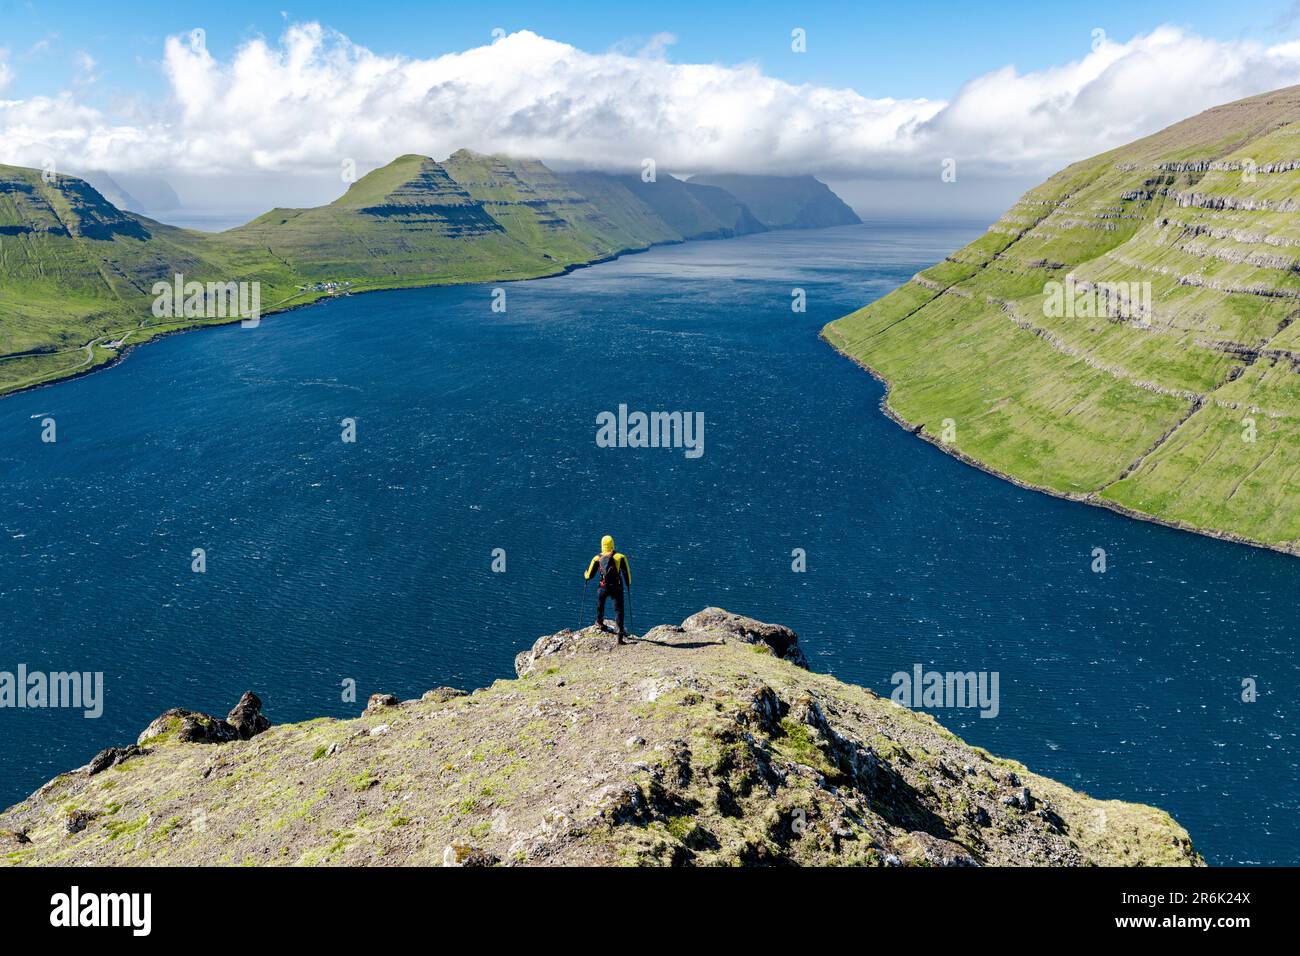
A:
{"points": [[785, 202], [76, 271], [704, 743], [1124, 335]]}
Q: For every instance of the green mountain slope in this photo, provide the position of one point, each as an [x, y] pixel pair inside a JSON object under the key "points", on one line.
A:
{"points": [[408, 223], [620, 205], [77, 273], [76, 276], [696, 211], [785, 202], [687, 210], [1124, 334]]}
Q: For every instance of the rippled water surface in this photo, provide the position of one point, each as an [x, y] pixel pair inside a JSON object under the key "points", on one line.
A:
{"points": [[476, 430]]}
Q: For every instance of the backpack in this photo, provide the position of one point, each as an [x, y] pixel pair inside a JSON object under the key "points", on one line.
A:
{"points": [[610, 579]]}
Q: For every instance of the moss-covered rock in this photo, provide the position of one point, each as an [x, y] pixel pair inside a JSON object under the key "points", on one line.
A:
{"points": [[682, 748]]}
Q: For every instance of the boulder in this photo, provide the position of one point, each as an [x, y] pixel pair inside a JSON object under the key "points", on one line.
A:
{"points": [[247, 717], [111, 757], [715, 621], [462, 854], [544, 646], [933, 851], [78, 820], [192, 727], [378, 702], [444, 694], [1021, 799], [764, 710]]}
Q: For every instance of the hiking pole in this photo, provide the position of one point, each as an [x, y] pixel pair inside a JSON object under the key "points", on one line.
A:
{"points": [[580, 605]]}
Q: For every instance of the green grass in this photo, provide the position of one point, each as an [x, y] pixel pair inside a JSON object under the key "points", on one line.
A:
{"points": [[121, 828], [1101, 407], [76, 273]]}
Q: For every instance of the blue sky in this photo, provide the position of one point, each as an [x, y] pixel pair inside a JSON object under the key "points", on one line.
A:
{"points": [[879, 49], [273, 100]]}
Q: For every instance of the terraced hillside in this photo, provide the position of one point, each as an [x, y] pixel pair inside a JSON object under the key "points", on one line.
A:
{"points": [[77, 273], [685, 209], [785, 202], [400, 221], [1124, 335]]}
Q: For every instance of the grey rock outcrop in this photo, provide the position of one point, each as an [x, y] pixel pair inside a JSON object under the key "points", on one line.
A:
{"points": [[711, 625], [247, 717], [111, 757], [243, 722]]}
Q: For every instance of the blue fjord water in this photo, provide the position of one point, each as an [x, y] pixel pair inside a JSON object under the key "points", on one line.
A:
{"points": [[475, 431]]}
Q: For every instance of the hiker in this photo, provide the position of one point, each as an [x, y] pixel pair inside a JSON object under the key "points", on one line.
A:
{"points": [[614, 575]]}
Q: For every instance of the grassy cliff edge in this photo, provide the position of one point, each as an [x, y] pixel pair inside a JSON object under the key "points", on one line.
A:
{"points": [[707, 743], [1125, 334]]}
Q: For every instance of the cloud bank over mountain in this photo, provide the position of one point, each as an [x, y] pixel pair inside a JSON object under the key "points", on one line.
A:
{"points": [[313, 100]]}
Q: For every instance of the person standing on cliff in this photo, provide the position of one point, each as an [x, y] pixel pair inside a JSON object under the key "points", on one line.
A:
{"points": [[614, 575]]}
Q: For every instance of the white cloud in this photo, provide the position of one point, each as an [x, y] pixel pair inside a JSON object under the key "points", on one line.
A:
{"points": [[307, 102], [6, 74], [1116, 94], [317, 98]]}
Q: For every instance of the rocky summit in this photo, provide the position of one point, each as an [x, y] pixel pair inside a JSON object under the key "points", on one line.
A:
{"points": [[704, 743]]}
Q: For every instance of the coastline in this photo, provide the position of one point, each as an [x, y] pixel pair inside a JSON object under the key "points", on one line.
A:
{"points": [[121, 355], [1088, 499], [825, 334]]}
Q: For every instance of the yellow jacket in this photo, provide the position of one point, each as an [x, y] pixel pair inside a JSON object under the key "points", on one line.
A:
{"points": [[620, 563]]}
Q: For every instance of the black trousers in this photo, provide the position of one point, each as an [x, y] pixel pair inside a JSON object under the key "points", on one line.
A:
{"points": [[617, 595]]}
